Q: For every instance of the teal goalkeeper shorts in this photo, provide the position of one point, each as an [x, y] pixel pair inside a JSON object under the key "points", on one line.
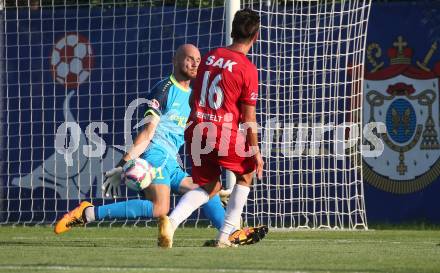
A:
{"points": [[168, 171]]}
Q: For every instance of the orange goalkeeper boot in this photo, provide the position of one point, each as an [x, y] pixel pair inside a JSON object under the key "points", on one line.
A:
{"points": [[244, 236], [248, 235], [73, 218]]}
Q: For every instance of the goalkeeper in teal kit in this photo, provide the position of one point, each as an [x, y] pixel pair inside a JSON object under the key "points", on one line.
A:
{"points": [[158, 143]]}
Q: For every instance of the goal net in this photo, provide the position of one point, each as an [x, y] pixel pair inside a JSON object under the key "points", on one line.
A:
{"points": [[73, 72], [310, 56]]}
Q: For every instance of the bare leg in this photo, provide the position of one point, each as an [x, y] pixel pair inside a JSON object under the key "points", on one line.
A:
{"points": [[186, 185], [235, 205], [159, 194]]}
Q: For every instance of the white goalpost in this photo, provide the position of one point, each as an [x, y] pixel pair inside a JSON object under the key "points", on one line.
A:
{"points": [[2, 188], [79, 66]]}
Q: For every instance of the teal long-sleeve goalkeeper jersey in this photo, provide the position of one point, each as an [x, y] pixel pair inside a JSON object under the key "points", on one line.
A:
{"points": [[170, 102]]}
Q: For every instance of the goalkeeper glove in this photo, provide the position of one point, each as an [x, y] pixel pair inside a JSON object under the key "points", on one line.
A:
{"points": [[112, 182]]}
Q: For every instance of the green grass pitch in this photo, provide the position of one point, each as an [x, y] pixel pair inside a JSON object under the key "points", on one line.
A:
{"points": [[37, 249]]}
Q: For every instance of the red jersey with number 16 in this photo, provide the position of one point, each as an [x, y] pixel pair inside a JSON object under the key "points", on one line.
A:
{"points": [[225, 79]]}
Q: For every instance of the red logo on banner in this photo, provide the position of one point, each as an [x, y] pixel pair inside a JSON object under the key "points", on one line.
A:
{"points": [[71, 60]]}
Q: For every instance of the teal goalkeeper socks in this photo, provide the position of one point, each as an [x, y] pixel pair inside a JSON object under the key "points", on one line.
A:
{"points": [[131, 209], [214, 211], [134, 209]]}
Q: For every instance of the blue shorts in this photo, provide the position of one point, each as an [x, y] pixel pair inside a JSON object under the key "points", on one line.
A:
{"points": [[168, 171]]}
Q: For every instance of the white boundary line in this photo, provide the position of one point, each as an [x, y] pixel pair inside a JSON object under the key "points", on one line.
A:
{"points": [[139, 269]]}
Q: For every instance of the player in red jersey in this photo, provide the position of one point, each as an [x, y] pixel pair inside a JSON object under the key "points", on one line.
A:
{"points": [[225, 94]]}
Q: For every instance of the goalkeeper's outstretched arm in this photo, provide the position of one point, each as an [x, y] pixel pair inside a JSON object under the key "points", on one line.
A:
{"points": [[143, 139], [112, 180]]}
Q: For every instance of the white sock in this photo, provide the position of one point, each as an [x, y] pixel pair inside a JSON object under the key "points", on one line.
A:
{"points": [[189, 202], [237, 200], [90, 214]]}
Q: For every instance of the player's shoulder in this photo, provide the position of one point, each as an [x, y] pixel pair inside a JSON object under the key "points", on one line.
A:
{"points": [[229, 55], [159, 94], [162, 86], [249, 64], [223, 52], [241, 57], [226, 52], [215, 51], [209, 55]]}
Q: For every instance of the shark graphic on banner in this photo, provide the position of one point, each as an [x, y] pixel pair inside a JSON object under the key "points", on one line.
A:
{"points": [[75, 181]]}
